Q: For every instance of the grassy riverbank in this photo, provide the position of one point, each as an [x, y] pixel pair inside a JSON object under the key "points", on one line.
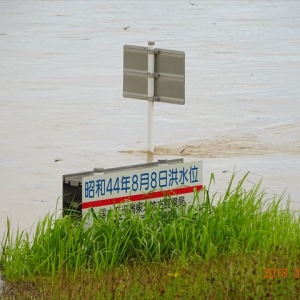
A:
{"points": [[244, 247]]}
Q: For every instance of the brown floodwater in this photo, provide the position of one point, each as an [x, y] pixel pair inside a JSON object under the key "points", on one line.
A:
{"points": [[62, 110]]}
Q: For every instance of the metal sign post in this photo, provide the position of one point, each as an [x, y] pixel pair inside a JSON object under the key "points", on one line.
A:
{"points": [[150, 95]]}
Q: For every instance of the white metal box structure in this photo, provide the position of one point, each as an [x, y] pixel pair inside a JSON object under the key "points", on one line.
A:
{"points": [[104, 189]]}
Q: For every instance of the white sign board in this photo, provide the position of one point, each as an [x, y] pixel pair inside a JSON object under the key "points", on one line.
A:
{"points": [[134, 187]]}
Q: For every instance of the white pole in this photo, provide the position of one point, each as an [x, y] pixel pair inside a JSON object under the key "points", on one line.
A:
{"points": [[151, 96]]}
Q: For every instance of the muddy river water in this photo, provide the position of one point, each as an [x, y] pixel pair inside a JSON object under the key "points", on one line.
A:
{"points": [[62, 110]]}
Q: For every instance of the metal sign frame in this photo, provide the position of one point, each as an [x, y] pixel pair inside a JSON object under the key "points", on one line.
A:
{"points": [[168, 74], [156, 75]]}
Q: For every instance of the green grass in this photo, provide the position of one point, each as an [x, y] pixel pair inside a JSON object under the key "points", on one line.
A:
{"points": [[222, 247]]}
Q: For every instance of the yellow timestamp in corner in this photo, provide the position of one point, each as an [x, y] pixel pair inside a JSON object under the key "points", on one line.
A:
{"points": [[281, 273]]}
